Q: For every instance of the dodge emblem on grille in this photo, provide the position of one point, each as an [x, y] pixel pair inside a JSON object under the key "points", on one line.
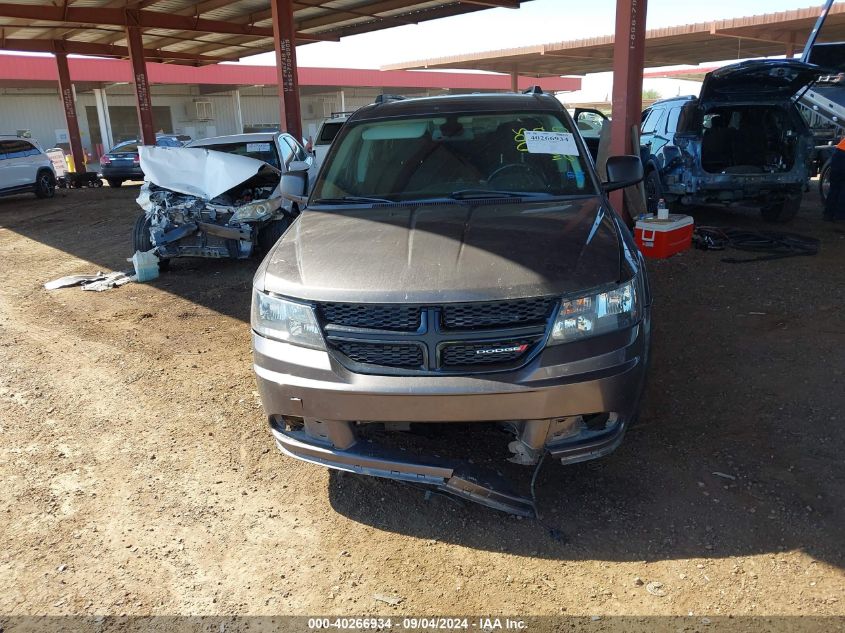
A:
{"points": [[502, 350]]}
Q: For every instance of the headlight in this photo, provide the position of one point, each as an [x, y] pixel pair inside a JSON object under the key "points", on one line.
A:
{"points": [[595, 314], [256, 210], [285, 321]]}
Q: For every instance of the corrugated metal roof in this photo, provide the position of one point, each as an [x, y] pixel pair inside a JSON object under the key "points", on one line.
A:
{"points": [[317, 19], [738, 38]]}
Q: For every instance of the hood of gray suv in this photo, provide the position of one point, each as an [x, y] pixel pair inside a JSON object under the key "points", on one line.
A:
{"points": [[445, 252]]}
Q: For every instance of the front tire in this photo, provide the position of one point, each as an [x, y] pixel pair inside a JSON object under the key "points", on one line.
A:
{"points": [[271, 233], [782, 212], [114, 182], [141, 240], [45, 184]]}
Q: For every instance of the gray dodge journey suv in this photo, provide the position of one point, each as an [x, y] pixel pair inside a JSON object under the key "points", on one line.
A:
{"points": [[457, 265]]}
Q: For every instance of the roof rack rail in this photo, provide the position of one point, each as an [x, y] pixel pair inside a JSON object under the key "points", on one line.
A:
{"points": [[533, 90], [384, 98], [342, 113]]}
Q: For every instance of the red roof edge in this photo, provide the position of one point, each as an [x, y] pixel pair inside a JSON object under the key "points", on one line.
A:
{"points": [[87, 69]]}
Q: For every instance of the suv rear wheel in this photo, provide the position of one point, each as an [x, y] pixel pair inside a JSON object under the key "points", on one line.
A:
{"points": [[114, 182], [783, 211], [824, 181], [45, 184], [653, 190]]}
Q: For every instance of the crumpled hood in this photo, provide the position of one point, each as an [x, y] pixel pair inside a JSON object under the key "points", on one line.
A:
{"points": [[444, 252], [196, 171]]}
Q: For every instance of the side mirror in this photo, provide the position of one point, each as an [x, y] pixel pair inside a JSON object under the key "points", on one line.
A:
{"points": [[298, 166], [293, 187], [623, 171]]}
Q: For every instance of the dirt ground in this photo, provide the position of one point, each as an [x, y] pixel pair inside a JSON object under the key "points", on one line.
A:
{"points": [[139, 476]]}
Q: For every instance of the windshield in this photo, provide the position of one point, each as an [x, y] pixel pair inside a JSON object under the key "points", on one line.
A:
{"points": [[456, 155], [259, 150]]}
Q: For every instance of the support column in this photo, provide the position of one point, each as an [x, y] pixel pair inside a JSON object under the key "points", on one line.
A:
{"points": [[69, 103], [515, 79], [143, 99], [290, 115], [628, 62], [102, 104], [239, 116]]}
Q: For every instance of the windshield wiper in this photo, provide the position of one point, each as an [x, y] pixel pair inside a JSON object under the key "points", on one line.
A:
{"points": [[480, 194], [351, 200]]}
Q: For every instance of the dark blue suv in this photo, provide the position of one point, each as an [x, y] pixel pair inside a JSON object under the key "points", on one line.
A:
{"points": [[742, 141]]}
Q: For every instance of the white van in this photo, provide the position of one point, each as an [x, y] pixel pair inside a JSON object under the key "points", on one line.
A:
{"points": [[326, 135]]}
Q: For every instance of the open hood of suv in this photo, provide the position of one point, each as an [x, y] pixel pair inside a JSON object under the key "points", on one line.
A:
{"points": [[763, 80]]}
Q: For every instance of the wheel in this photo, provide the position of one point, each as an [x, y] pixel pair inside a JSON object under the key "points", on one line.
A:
{"points": [[45, 184], [141, 240], [784, 211], [114, 182], [98, 183], [824, 181], [271, 232], [653, 190], [526, 169]]}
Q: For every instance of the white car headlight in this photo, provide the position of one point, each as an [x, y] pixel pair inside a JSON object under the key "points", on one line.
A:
{"points": [[286, 321], [256, 210], [596, 314]]}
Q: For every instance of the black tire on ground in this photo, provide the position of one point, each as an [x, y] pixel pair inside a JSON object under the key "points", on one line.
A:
{"points": [[45, 184], [114, 182], [270, 233], [141, 240], [653, 190], [782, 212], [824, 181]]}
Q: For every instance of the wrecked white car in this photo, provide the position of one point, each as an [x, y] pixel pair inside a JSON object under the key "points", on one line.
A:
{"points": [[220, 199]]}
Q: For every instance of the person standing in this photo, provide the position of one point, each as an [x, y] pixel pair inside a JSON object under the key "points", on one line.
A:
{"points": [[834, 208]]}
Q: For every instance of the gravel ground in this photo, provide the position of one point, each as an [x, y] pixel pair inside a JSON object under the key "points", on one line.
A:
{"points": [[139, 476]]}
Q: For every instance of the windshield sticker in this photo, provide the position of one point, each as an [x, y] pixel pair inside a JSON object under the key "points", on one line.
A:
{"points": [[257, 147], [550, 143]]}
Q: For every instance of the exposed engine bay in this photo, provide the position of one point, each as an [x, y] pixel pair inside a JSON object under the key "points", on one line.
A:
{"points": [[189, 214]]}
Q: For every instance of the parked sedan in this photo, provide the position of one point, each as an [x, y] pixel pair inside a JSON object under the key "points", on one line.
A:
{"points": [[123, 163]]}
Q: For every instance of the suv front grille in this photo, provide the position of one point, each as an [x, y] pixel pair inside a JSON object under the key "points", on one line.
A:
{"points": [[461, 316], [452, 338], [455, 355], [396, 317], [405, 356]]}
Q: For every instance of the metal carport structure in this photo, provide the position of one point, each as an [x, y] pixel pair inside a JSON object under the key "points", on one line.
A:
{"points": [[632, 48], [200, 32]]}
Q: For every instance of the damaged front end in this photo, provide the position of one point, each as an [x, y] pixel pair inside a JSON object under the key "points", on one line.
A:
{"points": [[203, 203]]}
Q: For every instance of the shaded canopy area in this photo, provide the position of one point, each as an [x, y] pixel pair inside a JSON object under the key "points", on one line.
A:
{"points": [[754, 36]]}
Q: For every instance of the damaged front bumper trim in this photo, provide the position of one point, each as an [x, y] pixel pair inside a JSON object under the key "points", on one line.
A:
{"points": [[480, 487]]}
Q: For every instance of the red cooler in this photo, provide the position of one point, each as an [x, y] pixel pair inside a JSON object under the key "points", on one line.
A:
{"points": [[659, 239]]}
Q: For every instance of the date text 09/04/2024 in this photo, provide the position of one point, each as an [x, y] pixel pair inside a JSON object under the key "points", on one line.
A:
{"points": [[417, 624]]}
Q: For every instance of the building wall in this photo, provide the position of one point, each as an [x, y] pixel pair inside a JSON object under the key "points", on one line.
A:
{"points": [[40, 110]]}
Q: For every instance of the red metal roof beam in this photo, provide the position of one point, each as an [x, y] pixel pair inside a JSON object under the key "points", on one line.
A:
{"points": [[71, 47], [142, 19]]}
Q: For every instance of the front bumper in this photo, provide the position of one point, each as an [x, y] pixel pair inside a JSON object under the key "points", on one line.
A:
{"points": [[604, 375]]}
